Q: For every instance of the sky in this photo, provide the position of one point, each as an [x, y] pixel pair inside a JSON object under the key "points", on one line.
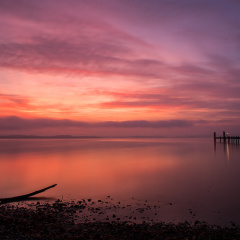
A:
{"points": [[120, 67]]}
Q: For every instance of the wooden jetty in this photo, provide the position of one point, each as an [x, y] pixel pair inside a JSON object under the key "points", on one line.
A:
{"points": [[226, 138]]}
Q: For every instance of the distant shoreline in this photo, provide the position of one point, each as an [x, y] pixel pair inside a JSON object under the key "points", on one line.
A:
{"points": [[85, 137], [45, 137]]}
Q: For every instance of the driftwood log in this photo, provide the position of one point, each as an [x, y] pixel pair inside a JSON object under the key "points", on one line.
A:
{"points": [[26, 196]]}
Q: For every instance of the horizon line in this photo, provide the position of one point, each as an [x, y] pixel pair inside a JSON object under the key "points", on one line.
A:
{"points": [[86, 136]]}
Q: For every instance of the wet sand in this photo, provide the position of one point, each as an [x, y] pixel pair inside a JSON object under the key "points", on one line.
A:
{"points": [[87, 219]]}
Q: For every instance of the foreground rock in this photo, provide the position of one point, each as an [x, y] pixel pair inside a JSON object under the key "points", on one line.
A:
{"points": [[57, 221]]}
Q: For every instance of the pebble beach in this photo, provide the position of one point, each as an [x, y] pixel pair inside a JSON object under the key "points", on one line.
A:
{"points": [[88, 219]]}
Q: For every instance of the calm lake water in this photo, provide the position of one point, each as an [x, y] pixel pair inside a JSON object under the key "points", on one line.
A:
{"points": [[188, 179]]}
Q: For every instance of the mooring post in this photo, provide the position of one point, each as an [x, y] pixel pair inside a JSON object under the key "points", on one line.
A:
{"points": [[224, 137], [214, 136]]}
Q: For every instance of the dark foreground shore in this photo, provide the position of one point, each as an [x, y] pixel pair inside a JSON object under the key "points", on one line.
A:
{"points": [[58, 221]]}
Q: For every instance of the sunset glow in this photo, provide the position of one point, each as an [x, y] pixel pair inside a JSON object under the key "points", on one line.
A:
{"points": [[119, 68]]}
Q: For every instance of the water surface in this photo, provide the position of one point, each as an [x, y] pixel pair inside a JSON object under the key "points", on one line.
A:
{"points": [[188, 179]]}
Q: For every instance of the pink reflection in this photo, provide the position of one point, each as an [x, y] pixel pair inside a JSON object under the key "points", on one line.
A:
{"points": [[93, 172]]}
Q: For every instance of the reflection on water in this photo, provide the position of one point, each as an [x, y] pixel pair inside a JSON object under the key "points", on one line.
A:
{"points": [[190, 173], [228, 153], [226, 149]]}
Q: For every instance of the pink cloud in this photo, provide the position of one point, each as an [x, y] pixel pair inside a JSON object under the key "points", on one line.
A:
{"points": [[16, 123], [176, 59], [178, 127], [13, 103], [185, 96]]}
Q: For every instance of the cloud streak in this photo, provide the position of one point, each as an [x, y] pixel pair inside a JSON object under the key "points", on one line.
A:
{"points": [[196, 95], [16, 123]]}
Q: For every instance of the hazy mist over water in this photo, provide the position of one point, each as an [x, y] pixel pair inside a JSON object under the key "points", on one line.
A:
{"points": [[188, 173]]}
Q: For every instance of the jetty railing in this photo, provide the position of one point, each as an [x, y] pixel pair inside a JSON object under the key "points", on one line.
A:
{"points": [[226, 138]]}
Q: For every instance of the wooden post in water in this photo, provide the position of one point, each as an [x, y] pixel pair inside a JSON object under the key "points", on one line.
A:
{"points": [[224, 137], [214, 135]]}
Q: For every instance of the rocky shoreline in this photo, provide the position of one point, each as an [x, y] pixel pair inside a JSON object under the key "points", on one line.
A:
{"points": [[60, 220]]}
